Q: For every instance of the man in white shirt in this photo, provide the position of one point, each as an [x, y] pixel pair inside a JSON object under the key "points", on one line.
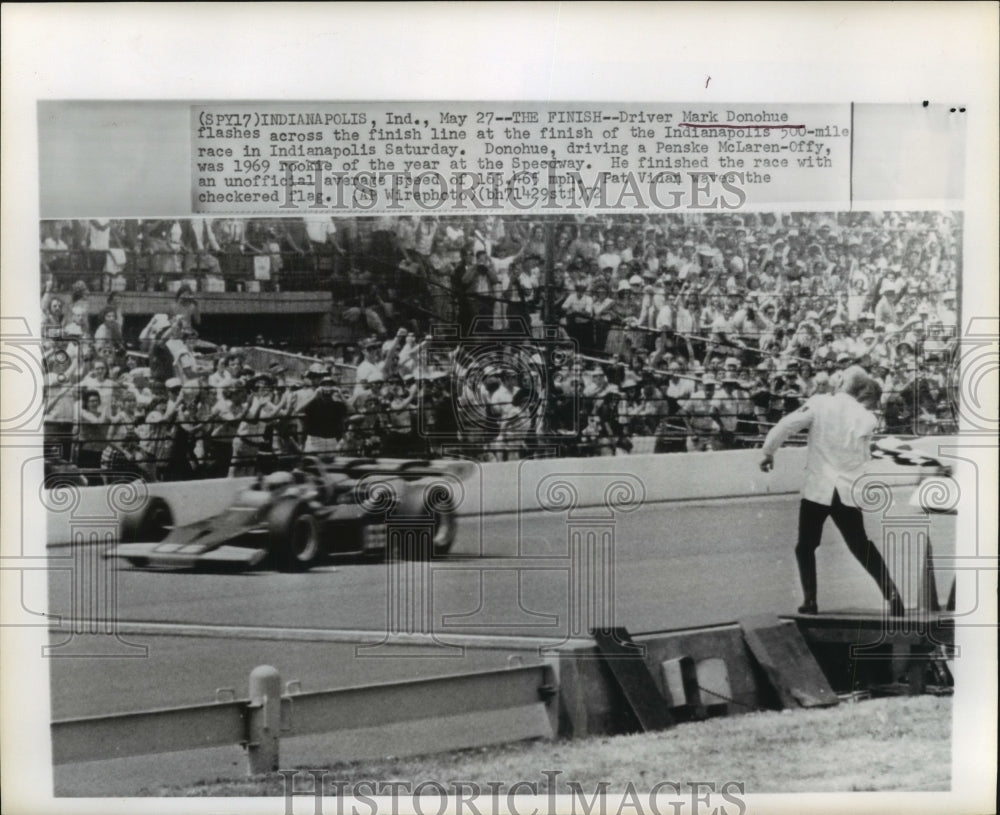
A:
{"points": [[885, 310], [661, 309], [701, 411], [371, 368], [734, 406], [578, 301], [319, 228], [609, 258], [840, 427]]}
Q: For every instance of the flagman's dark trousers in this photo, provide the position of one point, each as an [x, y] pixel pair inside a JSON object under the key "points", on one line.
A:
{"points": [[850, 522]]}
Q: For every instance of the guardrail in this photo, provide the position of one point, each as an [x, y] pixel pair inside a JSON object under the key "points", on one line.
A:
{"points": [[272, 711]]}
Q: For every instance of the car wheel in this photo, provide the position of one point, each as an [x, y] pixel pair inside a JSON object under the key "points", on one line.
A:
{"points": [[151, 524], [433, 500], [439, 499], [294, 536], [442, 538]]}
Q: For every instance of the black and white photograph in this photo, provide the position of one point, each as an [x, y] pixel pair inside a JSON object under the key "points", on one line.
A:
{"points": [[500, 447]]}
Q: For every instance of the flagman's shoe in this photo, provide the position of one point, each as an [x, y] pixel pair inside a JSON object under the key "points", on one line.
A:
{"points": [[809, 607]]}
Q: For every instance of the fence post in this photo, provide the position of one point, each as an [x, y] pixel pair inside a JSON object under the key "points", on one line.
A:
{"points": [[263, 720]]}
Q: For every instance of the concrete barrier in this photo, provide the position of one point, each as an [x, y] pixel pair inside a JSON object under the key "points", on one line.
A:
{"points": [[88, 510], [625, 482]]}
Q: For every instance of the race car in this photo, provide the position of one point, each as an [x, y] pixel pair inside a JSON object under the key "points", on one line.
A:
{"points": [[326, 507]]}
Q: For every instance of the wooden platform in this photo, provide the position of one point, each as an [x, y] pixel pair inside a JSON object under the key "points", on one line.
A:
{"points": [[622, 682], [869, 649], [631, 672], [784, 656], [867, 626]]}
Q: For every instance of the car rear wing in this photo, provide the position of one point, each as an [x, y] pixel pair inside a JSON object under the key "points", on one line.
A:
{"points": [[356, 468]]}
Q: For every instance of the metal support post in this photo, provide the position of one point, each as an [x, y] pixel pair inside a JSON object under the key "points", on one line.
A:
{"points": [[263, 720]]}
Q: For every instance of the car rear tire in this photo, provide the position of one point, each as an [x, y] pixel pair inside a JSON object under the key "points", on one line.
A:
{"points": [[151, 524], [439, 498], [434, 502], [293, 535], [415, 548]]}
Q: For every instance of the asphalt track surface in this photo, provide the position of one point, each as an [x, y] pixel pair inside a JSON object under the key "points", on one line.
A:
{"points": [[674, 565]]}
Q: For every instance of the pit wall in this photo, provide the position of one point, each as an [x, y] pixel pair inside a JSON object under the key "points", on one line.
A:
{"points": [[559, 485], [626, 482]]}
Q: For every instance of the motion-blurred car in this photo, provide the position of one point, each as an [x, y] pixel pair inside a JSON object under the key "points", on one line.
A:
{"points": [[326, 507]]}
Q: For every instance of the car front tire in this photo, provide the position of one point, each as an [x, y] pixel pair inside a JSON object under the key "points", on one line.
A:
{"points": [[151, 524], [293, 534]]}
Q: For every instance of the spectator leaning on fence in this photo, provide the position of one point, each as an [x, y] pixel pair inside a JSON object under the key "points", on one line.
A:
{"points": [[251, 439], [324, 417]]}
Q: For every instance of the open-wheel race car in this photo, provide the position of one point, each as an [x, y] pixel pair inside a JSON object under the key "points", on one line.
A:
{"points": [[326, 507]]}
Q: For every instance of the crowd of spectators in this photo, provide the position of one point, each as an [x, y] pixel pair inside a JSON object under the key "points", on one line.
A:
{"points": [[687, 332], [205, 254]]}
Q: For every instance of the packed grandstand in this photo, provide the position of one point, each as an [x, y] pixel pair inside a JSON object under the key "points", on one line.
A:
{"points": [[492, 338]]}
